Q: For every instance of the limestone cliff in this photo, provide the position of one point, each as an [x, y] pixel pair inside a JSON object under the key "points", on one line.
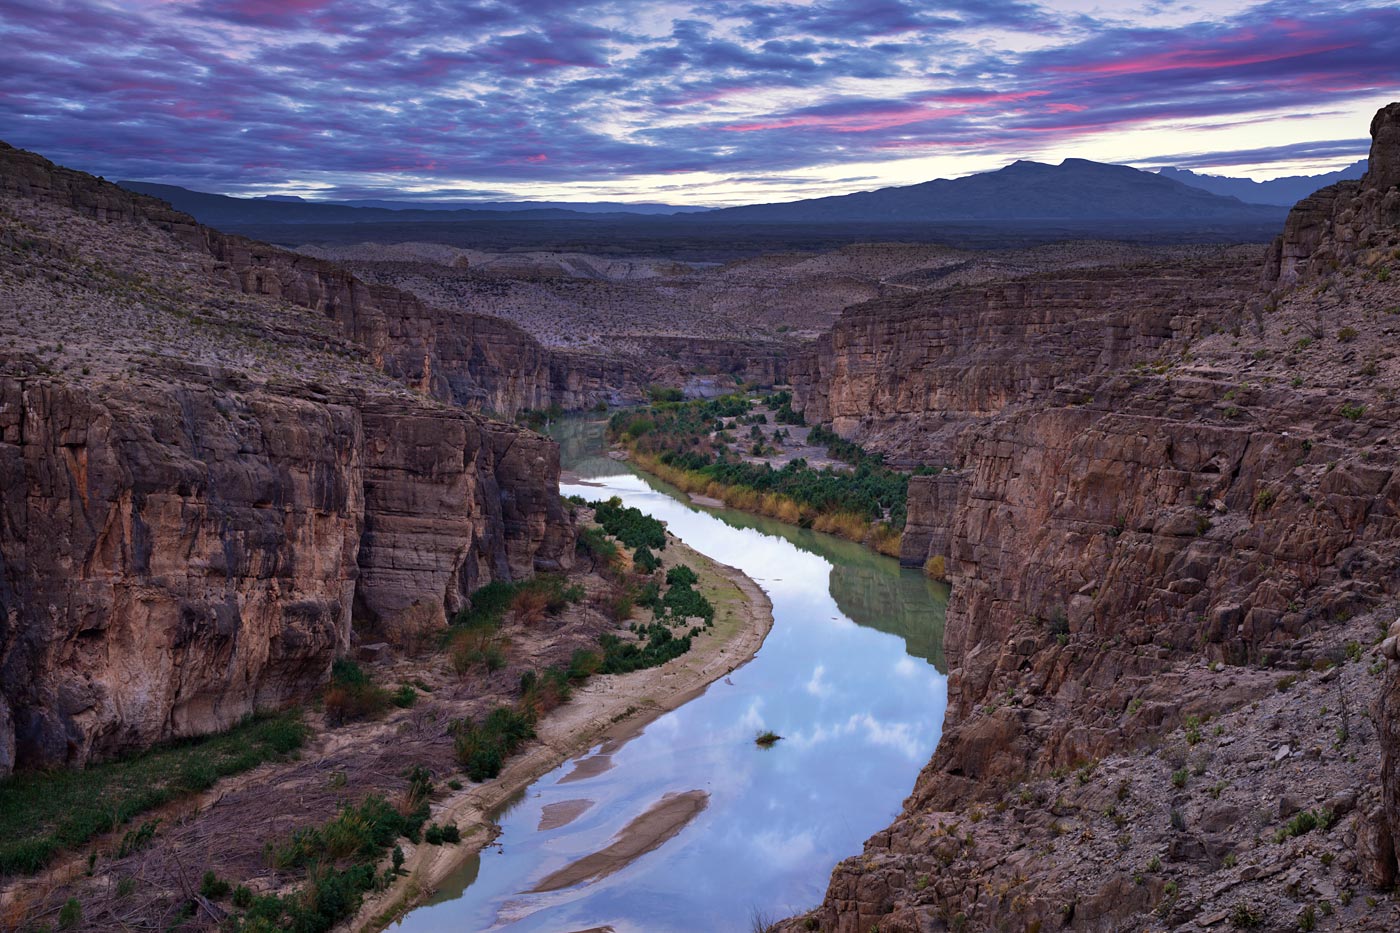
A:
{"points": [[218, 462], [1161, 491]]}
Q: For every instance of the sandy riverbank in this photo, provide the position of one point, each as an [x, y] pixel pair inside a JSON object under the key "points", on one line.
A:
{"points": [[608, 709]]}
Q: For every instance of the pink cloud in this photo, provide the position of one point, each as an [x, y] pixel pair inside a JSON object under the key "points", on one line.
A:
{"points": [[1190, 59]]}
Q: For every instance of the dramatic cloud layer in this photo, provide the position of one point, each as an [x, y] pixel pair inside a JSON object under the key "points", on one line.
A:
{"points": [[718, 101]]}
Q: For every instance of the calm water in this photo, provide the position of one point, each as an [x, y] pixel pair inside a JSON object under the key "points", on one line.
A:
{"points": [[849, 676]]}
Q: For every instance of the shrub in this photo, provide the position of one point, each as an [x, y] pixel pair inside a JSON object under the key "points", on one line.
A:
{"points": [[542, 692], [1303, 823], [622, 657], [594, 544], [212, 886], [1244, 917], [682, 601], [529, 605], [137, 839], [361, 831], [405, 696], [70, 914], [1346, 334], [481, 748], [645, 561], [633, 527], [934, 567], [583, 664], [352, 695], [681, 575], [473, 645]]}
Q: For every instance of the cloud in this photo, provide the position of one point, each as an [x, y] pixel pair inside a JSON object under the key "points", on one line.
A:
{"points": [[519, 97]]}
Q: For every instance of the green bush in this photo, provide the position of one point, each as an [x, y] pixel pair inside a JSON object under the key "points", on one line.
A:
{"points": [[213, 887], [1303, 823], [352, 695], [481, 748], [633, 527], [362, 831], [645, 561], [681, 575], [594, 543], [70, 915]]}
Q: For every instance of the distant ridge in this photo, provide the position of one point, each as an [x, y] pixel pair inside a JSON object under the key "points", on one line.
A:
{"points": [[582, 207], [222, 210], [1285, 191], [1023, 192]]}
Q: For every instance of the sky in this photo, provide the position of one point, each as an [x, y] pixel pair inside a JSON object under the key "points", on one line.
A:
{"points": [[710, 102]]}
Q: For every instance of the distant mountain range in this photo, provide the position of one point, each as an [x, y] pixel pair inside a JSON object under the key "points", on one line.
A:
{"points": [[1023, 193], [220, 210], [582, 207], [1285, 191], [1074, 190]]}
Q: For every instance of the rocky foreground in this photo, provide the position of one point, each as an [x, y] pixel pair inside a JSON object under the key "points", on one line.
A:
{"points": [[1170, 525]]}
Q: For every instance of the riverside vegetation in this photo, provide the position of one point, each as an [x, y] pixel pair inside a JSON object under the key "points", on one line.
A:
{"points": [[701, 447], [328, 868]]}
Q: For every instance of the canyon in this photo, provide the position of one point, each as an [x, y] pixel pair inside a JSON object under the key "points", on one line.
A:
{"points": [[216, 456], [1167, 505], [1158, 489]]}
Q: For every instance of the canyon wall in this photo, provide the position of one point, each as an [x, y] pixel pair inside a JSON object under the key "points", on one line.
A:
{"points": [[207, 492], [477, 361], [1122, 536], [905, 376]]}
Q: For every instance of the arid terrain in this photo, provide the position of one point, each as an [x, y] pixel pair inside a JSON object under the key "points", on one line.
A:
{"points": [[617, 305], [1177, 504], [1167, 503]]}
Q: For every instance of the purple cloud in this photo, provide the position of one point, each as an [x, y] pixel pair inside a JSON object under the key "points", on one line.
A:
{"points": [[503, 94]]}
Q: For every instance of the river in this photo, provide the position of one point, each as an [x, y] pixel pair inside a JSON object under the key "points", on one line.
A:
{"points": [[851, 676]]}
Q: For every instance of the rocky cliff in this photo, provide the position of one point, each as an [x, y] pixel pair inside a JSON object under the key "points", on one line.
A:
{"points": [[220, 462], [907, 375], [479, 361], [1136, 550]]}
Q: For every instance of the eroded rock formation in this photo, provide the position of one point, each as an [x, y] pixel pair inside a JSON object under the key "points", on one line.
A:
{"points": [[216, 456], [1165, 495]]}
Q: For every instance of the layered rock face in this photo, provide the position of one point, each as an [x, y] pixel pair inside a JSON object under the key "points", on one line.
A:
{"points": [[478, 361], [1128, 545], [905, 376], [211, 467]]}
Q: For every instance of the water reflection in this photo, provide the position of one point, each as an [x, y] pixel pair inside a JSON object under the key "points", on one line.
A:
{"points": [[845, 676]]}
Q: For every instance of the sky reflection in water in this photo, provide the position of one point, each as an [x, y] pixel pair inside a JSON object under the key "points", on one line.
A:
{"points": [[859, 715]]}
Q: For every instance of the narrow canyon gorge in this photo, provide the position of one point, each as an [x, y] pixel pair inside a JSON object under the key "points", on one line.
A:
{"points": [[1162, 483]]}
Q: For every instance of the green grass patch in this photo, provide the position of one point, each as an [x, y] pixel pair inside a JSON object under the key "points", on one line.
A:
{"points": [[42, 814]]}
